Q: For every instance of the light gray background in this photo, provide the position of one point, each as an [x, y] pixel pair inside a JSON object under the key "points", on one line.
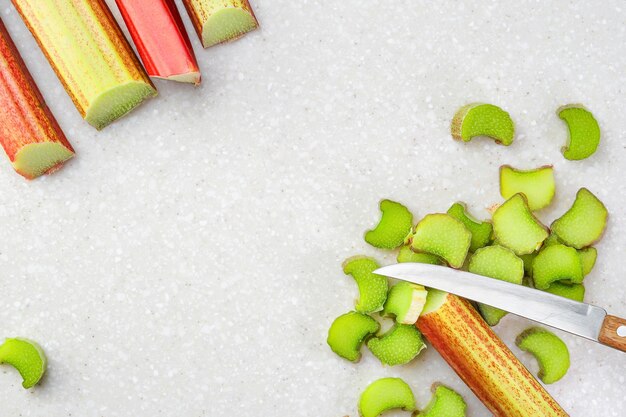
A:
{"points": [[187, 262]]}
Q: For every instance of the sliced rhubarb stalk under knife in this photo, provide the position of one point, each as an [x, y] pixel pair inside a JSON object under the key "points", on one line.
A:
{"points": [[161, 39], [29, 133], [90, 55], [218, 21], [482, 360]]}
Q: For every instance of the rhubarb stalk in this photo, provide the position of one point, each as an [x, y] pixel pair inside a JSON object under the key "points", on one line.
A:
{"points": [[218, 21], [161, 39], [90, 55], [482, 360], [29, 133]]}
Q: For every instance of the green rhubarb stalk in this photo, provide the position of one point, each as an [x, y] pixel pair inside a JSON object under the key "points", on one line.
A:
{"points": [[90, 55]]}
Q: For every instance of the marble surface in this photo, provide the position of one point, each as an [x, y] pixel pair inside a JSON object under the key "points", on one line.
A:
{"points": [[187, 262]]}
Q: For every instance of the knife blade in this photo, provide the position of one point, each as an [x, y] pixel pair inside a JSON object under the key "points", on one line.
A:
{"points": [[581, 319]]}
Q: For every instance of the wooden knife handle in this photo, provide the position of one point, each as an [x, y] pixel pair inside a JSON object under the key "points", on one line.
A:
{"points": [[613, 332]]}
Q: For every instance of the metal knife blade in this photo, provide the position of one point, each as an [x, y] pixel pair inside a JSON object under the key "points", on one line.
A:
{"points": [[562, 313]]}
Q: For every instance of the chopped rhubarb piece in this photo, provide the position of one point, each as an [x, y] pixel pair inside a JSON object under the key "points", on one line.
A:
{"points": [[218, 21], [29, 133], [27, 357], [455, 329], [91, 57], [161, 39]]}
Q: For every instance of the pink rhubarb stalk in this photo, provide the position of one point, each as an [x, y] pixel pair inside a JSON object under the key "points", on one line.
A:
{"points": [[29, 133], [161, 40]]}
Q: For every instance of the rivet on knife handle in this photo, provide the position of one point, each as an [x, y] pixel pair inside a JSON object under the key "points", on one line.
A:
{"points": [[613, 332]]}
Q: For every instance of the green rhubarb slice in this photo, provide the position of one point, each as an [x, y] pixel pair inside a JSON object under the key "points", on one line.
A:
{"points": [[399, 345], [549, 350], [394, 226], [552, 240], [478, 119], [116, 102], [405, 302], [372, 287], [574, 292], [348, 332], [584, 132], [584, 223], [528, 263], [516, 228], [27, 357], [537, 185], [386, 394], [444, 403], [557, 263], [407, 254], [41, 158], [587, 255], [500, 263], [481, 231], [588, 258], [444, 236], [226, 25]]}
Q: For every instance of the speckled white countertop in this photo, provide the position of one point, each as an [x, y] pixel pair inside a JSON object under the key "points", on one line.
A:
{"points": [[187, 262]]}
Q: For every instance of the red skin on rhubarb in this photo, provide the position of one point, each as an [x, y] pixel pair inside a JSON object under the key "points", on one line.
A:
{"points": [[29, 133], [484, 362], [161, 40]]}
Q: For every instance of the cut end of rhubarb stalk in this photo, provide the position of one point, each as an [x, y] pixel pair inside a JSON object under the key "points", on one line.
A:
{"points": [[41, 158], [228, 24], [118, 101], [190, 77]]}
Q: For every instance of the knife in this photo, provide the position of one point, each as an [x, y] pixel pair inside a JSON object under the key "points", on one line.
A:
{"points": [[581, 319]]}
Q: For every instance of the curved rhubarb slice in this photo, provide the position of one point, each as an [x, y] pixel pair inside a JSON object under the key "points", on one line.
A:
{"points": [[584, 132], [479, 119], [29, 133], [405, 302], [444, 403], [372, 287], [482, 360], [386, 394], [557, 263], [218, 21], [347, 333], [91, 57], [499, 263], [574, 292], [444, 236], [27, 357], [406, 254], [588, 258], [528, 263], [161, 40], [517, 228], [549, 350], [394, 226], [584, 223], [481, 231], [399, 345], [537, 185]]}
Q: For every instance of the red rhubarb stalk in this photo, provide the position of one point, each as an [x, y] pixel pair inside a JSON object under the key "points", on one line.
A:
{"points": [[161, 40], [29, 133], [483, 361]]}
